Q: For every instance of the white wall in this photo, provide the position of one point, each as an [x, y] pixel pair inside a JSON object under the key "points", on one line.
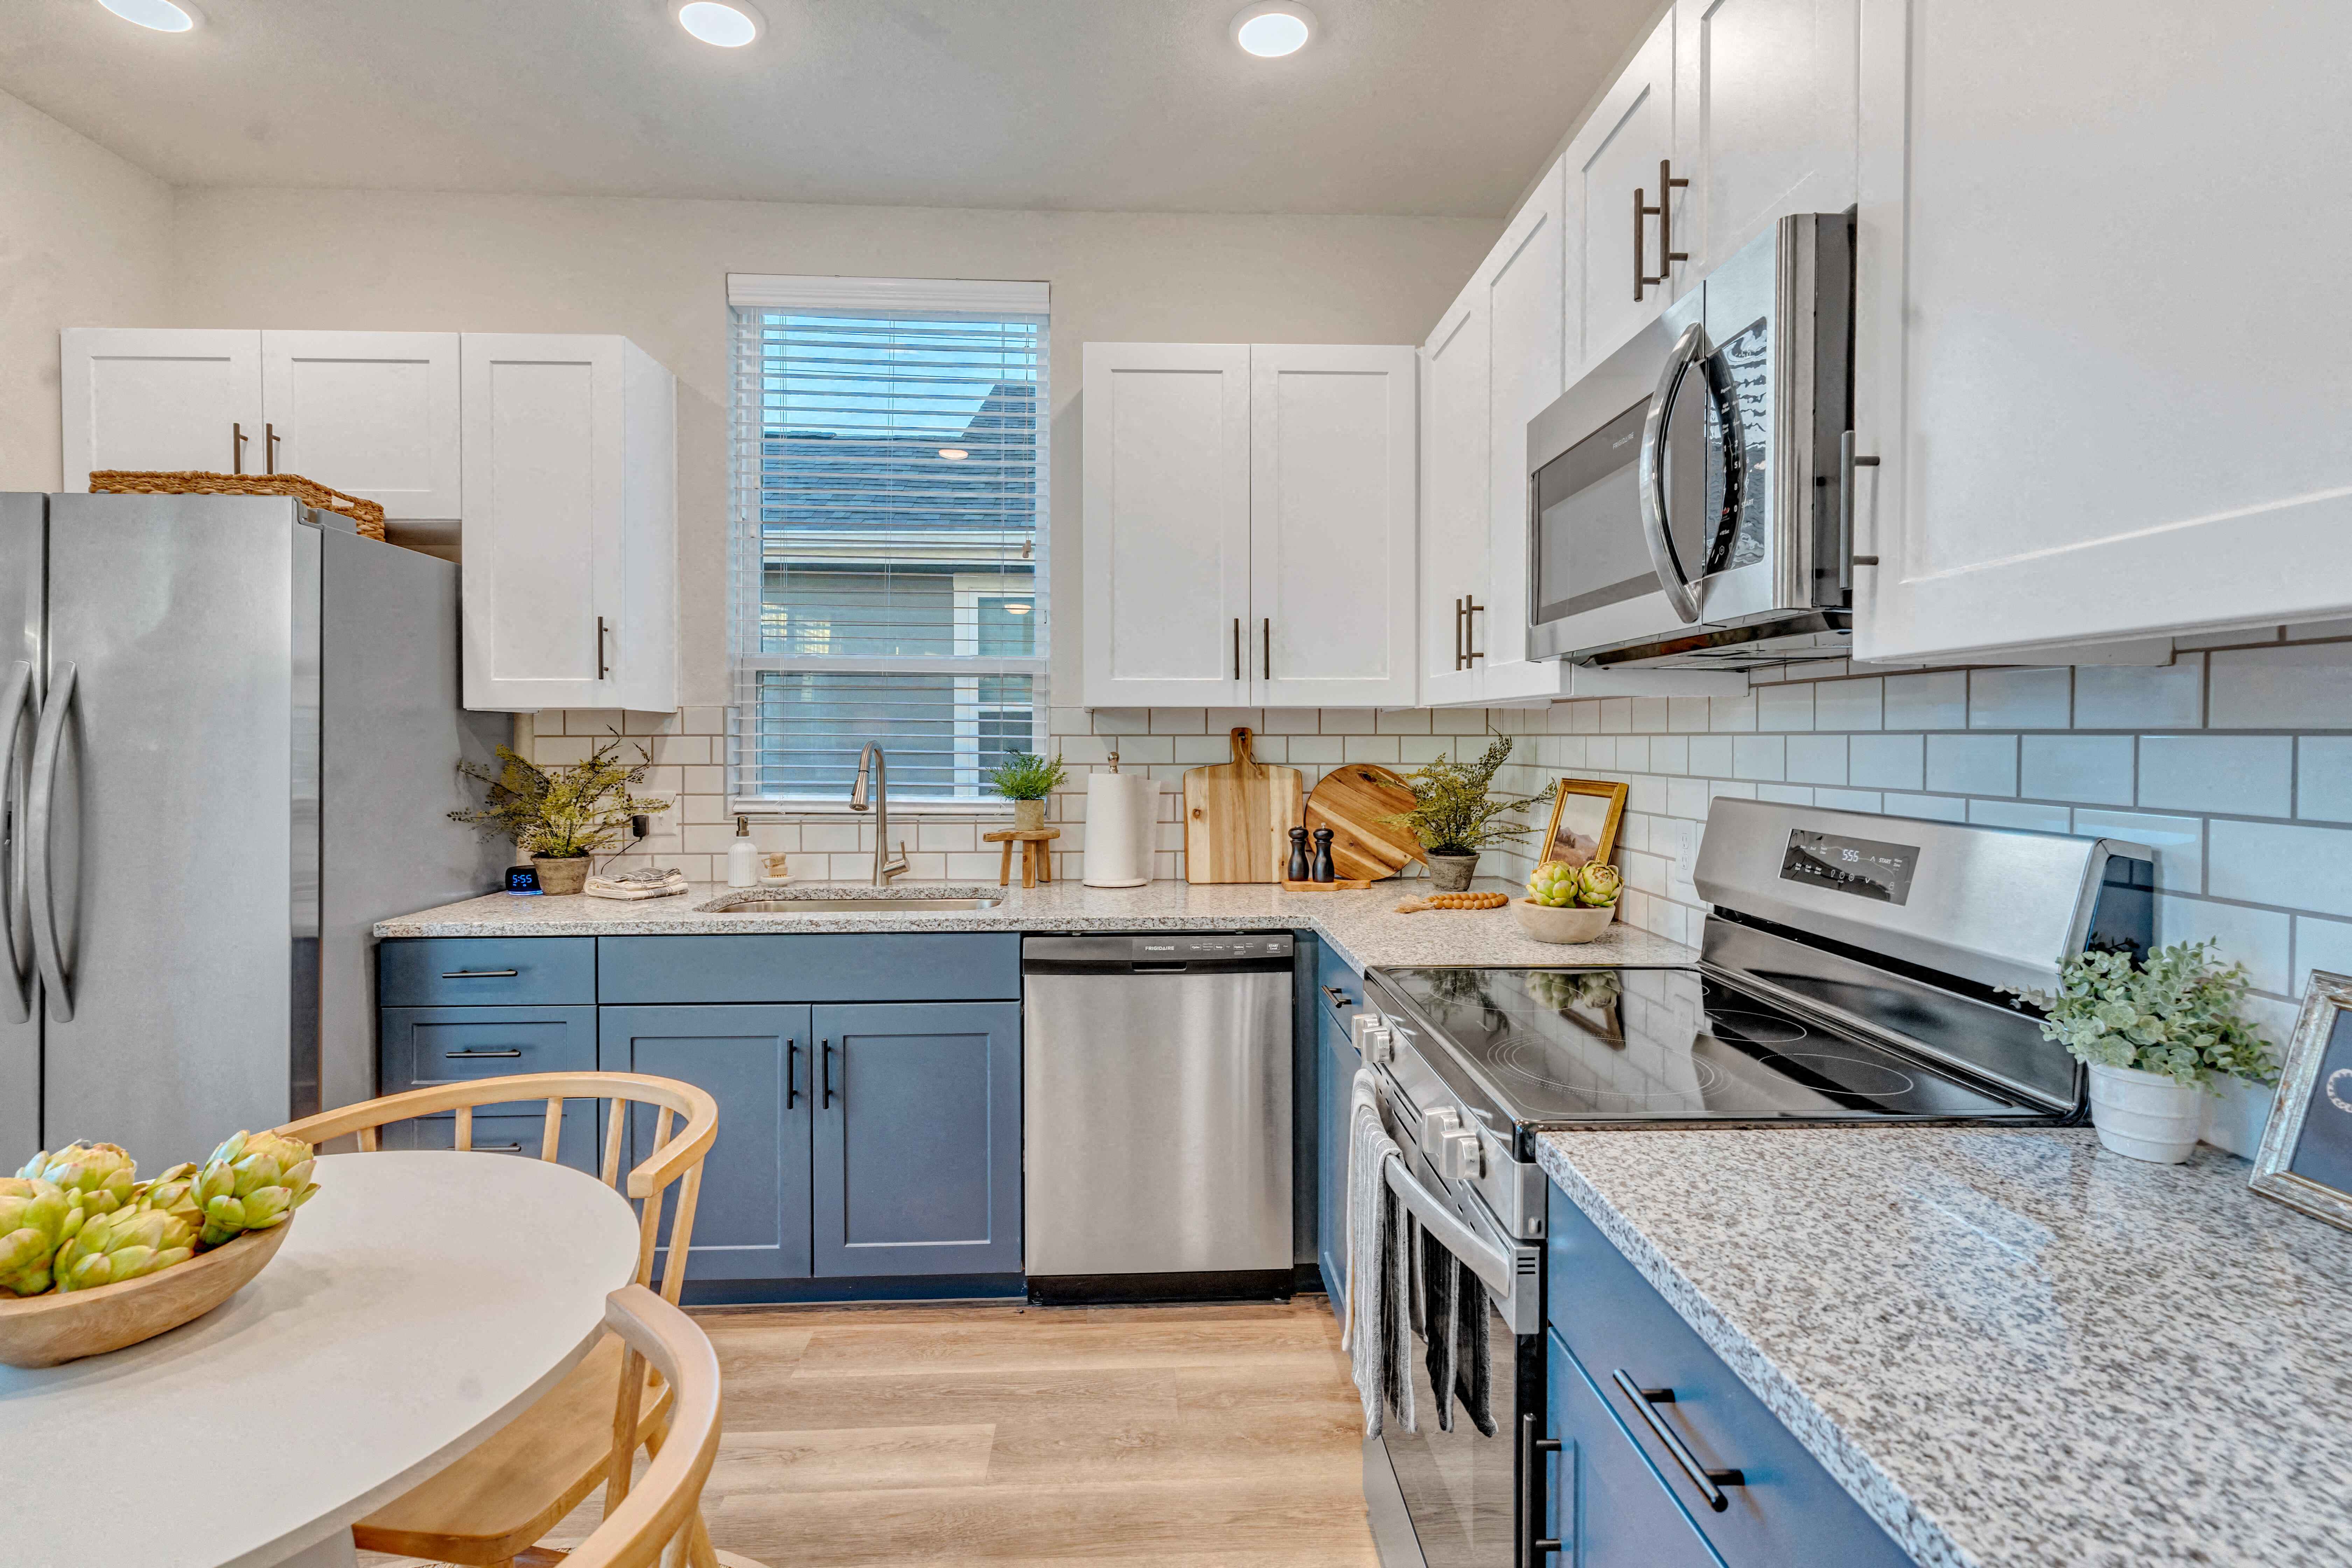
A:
{"points": [[656, 271], [83, 243]]}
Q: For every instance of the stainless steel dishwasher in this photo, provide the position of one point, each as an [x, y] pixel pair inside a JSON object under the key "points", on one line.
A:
{"points": [[1156, 1115]]}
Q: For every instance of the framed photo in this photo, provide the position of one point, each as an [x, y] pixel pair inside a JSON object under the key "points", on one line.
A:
{"points": [[1584, 817], [2305, 1160]]}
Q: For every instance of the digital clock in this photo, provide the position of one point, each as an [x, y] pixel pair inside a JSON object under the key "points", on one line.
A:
{"points": [[1863, 867]]}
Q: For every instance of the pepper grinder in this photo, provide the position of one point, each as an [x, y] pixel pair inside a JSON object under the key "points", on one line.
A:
{"points": [[1297, 871], [1324, 870]]}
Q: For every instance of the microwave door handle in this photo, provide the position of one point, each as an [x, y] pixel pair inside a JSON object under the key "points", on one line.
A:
{"points": [[1686, 353]]}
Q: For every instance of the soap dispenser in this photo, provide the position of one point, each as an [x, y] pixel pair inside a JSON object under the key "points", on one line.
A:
{"points": [[742, 857]]}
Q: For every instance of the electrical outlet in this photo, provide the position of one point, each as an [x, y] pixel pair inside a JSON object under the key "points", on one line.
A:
{"points": [[1686, 850]]}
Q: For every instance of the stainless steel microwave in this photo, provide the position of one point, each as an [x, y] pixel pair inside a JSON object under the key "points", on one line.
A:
{"points": [[1686, 499]]}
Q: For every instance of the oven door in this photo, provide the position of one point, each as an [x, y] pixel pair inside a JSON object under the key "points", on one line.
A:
{"points": [[1461, 1499]]}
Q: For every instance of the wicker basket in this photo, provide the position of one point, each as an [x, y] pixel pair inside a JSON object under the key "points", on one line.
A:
{"points": [[366, 515]]}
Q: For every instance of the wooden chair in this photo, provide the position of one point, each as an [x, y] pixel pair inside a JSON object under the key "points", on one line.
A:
{"points": [[660, 1519], [491, 1508]]}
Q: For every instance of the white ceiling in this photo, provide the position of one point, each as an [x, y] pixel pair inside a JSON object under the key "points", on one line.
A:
{"points": [[1432, 107]]}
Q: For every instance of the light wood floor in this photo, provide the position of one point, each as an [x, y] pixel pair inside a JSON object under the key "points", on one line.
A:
{"points": [[1225, 1437]]}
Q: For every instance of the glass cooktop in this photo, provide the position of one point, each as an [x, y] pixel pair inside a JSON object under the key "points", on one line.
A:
{"points": [[1580, 1045]]}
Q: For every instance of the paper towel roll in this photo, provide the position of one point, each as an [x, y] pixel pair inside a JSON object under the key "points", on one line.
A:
{"points": [[1122, 816]]}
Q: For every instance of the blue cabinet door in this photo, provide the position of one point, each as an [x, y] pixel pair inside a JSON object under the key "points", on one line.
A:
{"points": [[751, 1221], [1602, 1502], [1335, 1092], [918, 1139]]}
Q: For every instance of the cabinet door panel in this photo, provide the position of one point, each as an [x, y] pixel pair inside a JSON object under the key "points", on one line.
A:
{"points": [[1167, 434], [918, 1139], [374, 414], [1523, 308], [542, 474], [135, 397], [1455, 471], [751, 1221], [1764, 106], [1615, 154], [2092, 397], [1602, 1502], [1332, 525]]}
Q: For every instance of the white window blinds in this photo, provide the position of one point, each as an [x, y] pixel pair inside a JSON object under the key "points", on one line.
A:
{"points": [[888, 534]]}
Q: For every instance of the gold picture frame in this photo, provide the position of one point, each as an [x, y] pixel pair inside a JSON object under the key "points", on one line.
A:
{"points": [[2306, 1160], [1589, 811]]}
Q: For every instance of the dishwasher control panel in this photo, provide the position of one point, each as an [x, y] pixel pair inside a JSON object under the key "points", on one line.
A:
{"points": [[1186, 948], [1147, 952]]}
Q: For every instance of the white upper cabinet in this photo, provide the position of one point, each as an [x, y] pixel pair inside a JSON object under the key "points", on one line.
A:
{"points": [[2101, 307], [1612, 168], [569, 471], [134, 397], [1764, 117], [374, 414], [1167, 534], [1332, 506], [1454, 468], [1525, 314], [1249, 525]]}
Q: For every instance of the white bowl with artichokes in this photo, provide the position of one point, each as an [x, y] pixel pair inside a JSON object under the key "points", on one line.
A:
{"points": [[1568, 903], [91, 1258]]}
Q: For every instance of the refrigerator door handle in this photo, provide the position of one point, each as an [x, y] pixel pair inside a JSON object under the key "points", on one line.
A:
{"points": [[48, 749], [15, 710]]}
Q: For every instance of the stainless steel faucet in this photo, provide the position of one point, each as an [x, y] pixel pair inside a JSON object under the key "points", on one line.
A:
{"points": [[885, 867]]}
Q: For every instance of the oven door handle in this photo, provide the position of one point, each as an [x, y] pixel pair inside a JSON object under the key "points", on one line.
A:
{"points": [[1490, 1263], [1688, 350]]}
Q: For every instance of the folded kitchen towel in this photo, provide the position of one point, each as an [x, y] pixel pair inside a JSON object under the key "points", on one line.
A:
{"points": [[645, 882], [1456, 1342], [1378, 1334]]}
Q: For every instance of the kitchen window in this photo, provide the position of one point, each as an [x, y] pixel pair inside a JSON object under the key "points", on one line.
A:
{"points": [[888, 534]]}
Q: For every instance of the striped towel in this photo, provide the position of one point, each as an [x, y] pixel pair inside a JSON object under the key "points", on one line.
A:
{"points": [[1378, 1334]]}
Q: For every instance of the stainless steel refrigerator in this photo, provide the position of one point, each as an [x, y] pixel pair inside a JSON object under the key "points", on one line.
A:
{"points": [[229, 730]]}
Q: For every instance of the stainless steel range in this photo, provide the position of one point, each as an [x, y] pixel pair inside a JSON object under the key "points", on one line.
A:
{"points": [[1853, 971]]}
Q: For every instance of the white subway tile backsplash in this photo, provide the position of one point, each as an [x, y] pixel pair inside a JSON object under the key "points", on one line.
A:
{"points": [[1888, 762], [1972, 765], [2090, 769], [2296, 686], [1935, 807], [2019, 813], [2255, 937], [1687, 798], [2322, 777], [2179, 843], [1848, 705], [1651, 715], [1374, 749], [1686, 715], [1760, 757], [1933, 702], [1783, 707], [1670, 753], [2270, 863], [1349, 721], [1848, 800], [1402, 722], [1711, 756], [1283, 720], [2122, 697], [1616, 715], [2020, 699], [2320, 944], [1584, 717], [2246, 775], [1817, 758], [1732, 713], [1785, 794]]}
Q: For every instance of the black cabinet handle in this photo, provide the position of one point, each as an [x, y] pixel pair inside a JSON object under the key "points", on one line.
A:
{"points": [[791, 1073], [1533, 1547], [827, 1100], [480, 1055], [1645, 1401], [1339, 998], [498, 1148], [479, 973]]}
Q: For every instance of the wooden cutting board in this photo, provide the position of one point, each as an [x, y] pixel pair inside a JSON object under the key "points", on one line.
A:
{"points": [[1350, 802], [1238, 817]]}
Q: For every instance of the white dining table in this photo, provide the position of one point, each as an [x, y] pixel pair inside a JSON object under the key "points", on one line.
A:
{"points": [[421, 1302]]}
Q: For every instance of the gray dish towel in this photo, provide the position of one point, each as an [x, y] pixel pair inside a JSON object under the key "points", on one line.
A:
{"points": [[1454, 1329], [1378, 1334]]}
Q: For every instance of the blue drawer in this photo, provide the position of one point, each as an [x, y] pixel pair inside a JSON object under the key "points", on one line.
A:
{"points": [[578, 1147], [1338, 984], [1787, 1508], [1602, 1502], [482, 971], [948, 966], [425, 1046]]}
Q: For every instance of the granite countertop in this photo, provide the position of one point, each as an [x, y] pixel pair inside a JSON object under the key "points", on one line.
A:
{"points": [[1364, 926], [2012, 1347]]}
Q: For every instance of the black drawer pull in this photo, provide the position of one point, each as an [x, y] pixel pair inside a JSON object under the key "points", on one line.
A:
{"points": [[479, 973], [1532, 1448], [1339, 998], [498, 1149], [480, 1055], [1710, 1483]]}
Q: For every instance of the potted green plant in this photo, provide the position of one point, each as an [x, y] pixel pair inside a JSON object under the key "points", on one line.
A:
{"points": [[1455, 817], [1025, 779], [563, 814], [2153, 1032]]}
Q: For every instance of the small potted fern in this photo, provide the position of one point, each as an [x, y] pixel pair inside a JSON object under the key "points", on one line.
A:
{"points": [[1455, 817], [560, 816], [2153, 1032], [1025, 779]]}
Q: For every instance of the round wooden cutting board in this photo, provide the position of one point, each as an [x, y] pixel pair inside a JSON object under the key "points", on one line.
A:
{"points": [[1350, 802]]}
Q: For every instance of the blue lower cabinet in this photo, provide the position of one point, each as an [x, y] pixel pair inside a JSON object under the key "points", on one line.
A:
{"points": [[917, 1138], [1334, 1087], [752, 1220], [1602, 1502], [424, 1047]]}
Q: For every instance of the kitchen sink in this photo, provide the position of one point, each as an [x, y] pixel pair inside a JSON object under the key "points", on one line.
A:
{"points": [[826, 903]]}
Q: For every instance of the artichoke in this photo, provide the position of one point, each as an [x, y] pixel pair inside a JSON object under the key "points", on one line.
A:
{"points": [[1553, 884], [173, 1191], [96, 1176], [124, 1245], [1598, 885], [35, 1219], [251, 1182]]}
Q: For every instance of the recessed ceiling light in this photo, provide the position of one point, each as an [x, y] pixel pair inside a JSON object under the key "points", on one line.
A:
{"points": [[161, 15], [729, 26], [1275, 28], [954, 454]]}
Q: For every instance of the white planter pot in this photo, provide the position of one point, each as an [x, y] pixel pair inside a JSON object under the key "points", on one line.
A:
{"points": [[2145, 1115]]}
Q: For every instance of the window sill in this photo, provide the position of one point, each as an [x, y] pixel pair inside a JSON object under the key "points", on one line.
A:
{"points": [[900, 811]]}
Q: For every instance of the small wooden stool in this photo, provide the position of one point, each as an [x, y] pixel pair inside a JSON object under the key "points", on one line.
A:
{"points": [[1037, 859]]}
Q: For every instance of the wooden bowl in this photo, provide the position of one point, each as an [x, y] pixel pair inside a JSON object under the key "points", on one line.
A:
{"points": [[1544, 923], [43, 1330]]}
